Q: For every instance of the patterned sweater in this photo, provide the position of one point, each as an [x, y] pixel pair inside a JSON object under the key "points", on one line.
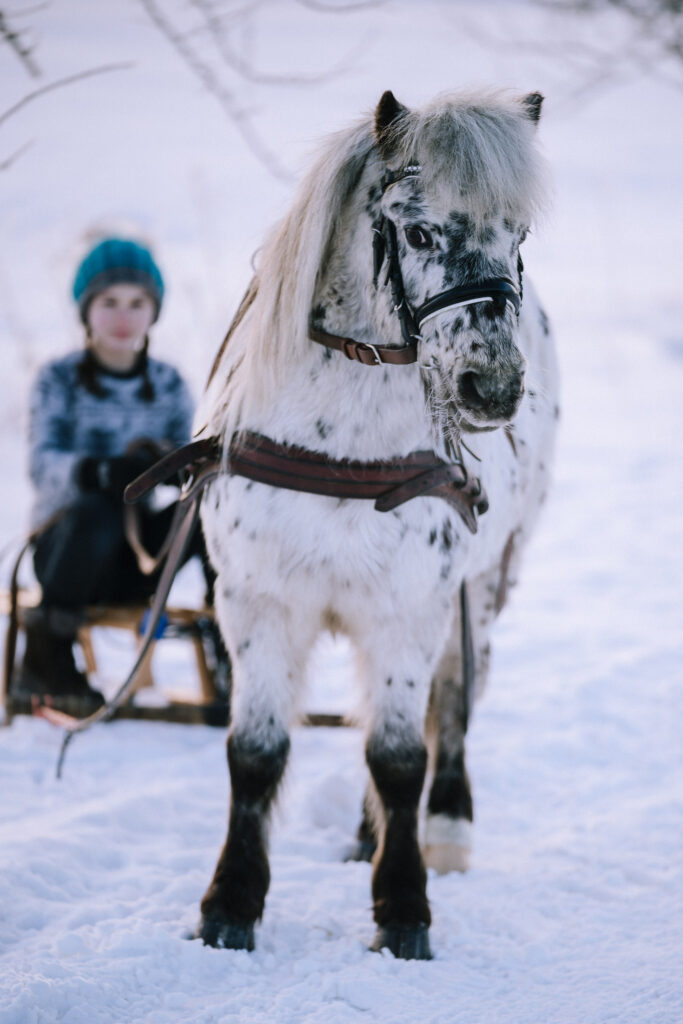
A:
{"points": [[67, 423]]}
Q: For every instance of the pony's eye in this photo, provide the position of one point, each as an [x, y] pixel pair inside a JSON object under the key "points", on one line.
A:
{"points": [[418, 237]]}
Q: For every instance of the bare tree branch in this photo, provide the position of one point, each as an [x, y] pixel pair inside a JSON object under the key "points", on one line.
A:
{"points": [[26, 11], [237, 114], [648, 43], [579, 53], [59, 84], [657, 26], [220, 35]]}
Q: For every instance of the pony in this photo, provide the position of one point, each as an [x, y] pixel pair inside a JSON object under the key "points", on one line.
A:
{"points": [[403, 241]]}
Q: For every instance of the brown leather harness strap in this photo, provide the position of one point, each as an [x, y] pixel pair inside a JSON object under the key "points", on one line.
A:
{"points": [[369, 355], [389, 484], [193, 456]]}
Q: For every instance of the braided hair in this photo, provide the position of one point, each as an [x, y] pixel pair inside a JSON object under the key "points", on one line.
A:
{"points": [[89, 370]]}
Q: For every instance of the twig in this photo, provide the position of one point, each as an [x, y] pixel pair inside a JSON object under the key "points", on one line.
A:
{"points": [[14, 40], [354, 5], [236, 62], [8, 161], [59, 84], [659, 22]]}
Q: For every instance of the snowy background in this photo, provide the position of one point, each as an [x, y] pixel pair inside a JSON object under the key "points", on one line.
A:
{"points": [[573, 908]]}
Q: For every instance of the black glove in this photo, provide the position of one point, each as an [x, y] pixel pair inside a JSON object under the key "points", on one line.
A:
{"points": [[111, 476]]}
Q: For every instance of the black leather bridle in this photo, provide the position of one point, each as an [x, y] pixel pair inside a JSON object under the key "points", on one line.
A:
{"points": [[500, 290]]}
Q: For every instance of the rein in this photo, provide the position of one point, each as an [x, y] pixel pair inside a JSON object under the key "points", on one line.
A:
{"points": [[201, 471]]}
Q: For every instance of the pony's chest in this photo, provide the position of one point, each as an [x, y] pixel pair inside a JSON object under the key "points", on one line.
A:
{"points": [[336, 544], [263, 532]]}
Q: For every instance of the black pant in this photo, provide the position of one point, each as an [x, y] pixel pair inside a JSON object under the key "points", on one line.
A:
{"points": [[84, 557]]}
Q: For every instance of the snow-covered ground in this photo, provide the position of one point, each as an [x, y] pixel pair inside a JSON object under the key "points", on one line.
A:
{"points": [[573, 908]]}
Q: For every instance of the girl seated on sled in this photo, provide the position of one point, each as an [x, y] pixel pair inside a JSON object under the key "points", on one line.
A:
{"points": [[87, 412]]}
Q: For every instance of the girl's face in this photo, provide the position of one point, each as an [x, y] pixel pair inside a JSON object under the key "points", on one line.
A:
{"points": [[119, 318]]}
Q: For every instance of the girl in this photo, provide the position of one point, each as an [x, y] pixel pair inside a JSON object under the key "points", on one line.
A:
{"points": [[87, 410]]}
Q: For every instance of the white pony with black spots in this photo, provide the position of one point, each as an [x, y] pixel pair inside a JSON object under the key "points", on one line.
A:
{"points": [[460, 183]]}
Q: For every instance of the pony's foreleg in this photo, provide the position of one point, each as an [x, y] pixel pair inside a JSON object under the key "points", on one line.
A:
{"points": [[265, 674], [399, 882], [397, 759], [235, 899]]}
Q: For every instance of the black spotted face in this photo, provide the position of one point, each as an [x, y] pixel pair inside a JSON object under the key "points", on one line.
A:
{"points": [[472, 368]]}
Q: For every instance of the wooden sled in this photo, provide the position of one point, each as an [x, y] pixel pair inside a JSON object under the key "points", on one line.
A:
{"points": [[210, 706]]}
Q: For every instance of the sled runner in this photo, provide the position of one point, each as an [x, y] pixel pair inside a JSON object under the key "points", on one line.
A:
{"points": [[210, 704]]}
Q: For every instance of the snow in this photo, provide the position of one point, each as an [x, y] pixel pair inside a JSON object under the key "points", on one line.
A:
{"points": [[573, 908]]}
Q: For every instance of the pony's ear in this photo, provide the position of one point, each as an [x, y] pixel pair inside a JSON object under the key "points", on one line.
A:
{"points": [[532, 106], [389, 112]]}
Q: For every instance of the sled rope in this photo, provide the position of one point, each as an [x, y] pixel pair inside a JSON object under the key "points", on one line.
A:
{"points": [[184, 524]]}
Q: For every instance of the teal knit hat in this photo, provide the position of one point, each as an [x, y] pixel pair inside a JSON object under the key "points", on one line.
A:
{"points": [[117, 261]]}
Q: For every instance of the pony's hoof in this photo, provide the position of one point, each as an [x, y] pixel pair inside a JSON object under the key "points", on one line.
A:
{"points": [[221, 934], [448, 844], [406, 942]]}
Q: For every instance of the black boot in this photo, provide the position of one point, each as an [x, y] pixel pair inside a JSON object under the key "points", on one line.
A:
{"points": [[48, 673]]}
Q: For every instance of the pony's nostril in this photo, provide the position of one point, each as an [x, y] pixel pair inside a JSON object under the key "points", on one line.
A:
{"points": [[474, 390], [489, 395]]}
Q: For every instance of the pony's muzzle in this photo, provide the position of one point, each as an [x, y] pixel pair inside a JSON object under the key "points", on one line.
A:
{"points": [[485, 396]]}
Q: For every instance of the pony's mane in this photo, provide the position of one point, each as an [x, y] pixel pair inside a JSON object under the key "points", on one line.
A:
{"points": [[265, 337], [481, 140], [484, 142]]}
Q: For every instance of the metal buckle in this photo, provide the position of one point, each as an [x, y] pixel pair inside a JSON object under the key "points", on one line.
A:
{"points": [[378, 358]]}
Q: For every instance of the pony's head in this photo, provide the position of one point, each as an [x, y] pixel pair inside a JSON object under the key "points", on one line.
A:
{"points": [[461, 187], [453, 188]]}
